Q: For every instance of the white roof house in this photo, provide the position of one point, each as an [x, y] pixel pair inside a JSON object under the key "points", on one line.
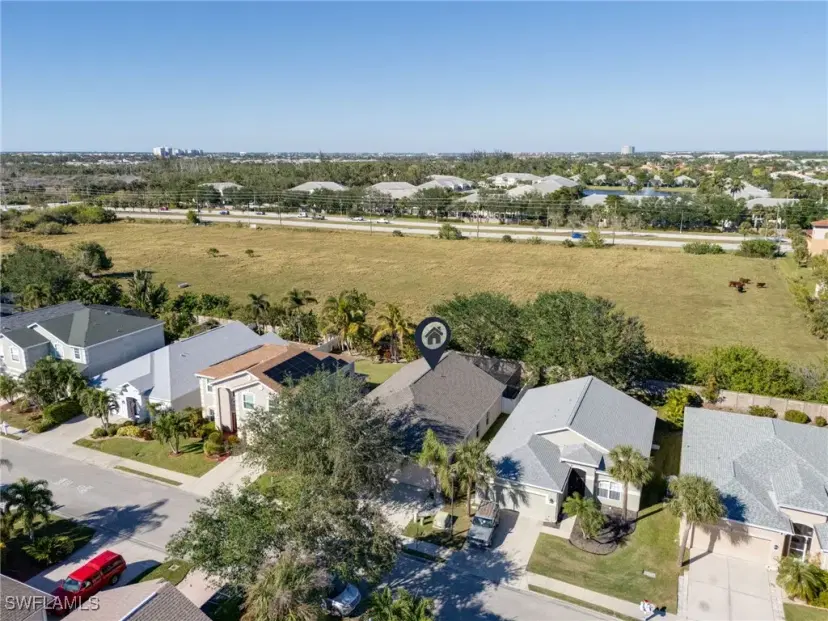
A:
{"points": [[166, 376], [751, 191], [221, 186], [395, 189], [685, 180], [512, 178], [446, 181], [770, 202], [547, 186], [313, 186]]}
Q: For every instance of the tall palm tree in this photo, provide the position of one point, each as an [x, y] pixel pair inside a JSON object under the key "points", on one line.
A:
{"points": [[589, 515], [9, 388], [258, 305], [99, 403], [169, 427], [799, 579], [36, 295], [697, 500], [735, 185], [394, 325], [27, 501], [296, 298], [433, 455], [144, 295], [384, 606], [474, 467], [629, 467], [344, 318], [287, 590]]}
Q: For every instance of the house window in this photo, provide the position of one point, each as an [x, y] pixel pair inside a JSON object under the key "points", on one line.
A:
{"points": [[209, 387], [800, 543], [248, 401], [211, 414], [15, 354], [609, 490], [76, 353]]}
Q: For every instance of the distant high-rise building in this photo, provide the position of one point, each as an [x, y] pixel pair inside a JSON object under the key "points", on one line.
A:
{"points": [[165, 152], [627, 150], [162, 151]]}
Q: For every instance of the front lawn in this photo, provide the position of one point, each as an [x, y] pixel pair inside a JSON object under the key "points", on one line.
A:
{"points": [[652, 547], [667, 460], [793, 612], [191, 460], [425, 532], [20, 566], [21, 420], [377, 372], [173, 571]]}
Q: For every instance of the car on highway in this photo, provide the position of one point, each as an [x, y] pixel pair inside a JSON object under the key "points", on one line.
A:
{"points": [[577, 235], [260, 213], [302, 214], [483, 524], [342, 599], [383, 221], [319, 216], [103, 570], [224, 212], [163, 209], [357, 219]]}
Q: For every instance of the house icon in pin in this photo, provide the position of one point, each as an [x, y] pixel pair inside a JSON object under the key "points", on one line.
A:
{"points": [[434, 336]]}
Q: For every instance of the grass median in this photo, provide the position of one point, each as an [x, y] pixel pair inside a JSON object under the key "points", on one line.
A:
{"points": [[190, 460]]}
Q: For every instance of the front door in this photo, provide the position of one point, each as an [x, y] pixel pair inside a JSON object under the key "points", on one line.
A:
{"points": [[800, 542], [132, 407]]}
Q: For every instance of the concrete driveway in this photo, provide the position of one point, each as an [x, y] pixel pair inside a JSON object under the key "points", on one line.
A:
{"points": [[721, 588]]}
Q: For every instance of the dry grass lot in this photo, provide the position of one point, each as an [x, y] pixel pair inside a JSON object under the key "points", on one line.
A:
{"points": [[683, 300]]}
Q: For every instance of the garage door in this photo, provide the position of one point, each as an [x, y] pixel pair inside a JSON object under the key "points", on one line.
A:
{"points": [[526, 503], [734, 544]]}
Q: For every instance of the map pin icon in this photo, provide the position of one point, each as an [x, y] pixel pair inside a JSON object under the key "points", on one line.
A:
{"points": [[432, 338]]}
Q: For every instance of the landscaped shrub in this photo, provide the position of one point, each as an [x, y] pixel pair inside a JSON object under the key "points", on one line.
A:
{"points": [[758, 248], [214, 445], [206, 430], [746, 369], [677, 400], [99, 432], [192, 217], [112, 431], [765, 411], [702, 248], [534, 240], [129, 431], [507, 239], [232, 440], [50, 549], [195, 421], [62, 411], [820, 421], [146, 434], [568, 243], [49, 228], [592, 239], [797, 416], [43, 425], [447, 231], [397, 233]]}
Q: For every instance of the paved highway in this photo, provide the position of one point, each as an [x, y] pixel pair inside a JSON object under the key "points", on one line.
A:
{"points": [[420, 228]]}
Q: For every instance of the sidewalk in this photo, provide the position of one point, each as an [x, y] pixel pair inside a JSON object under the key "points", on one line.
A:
{"points": [[599, 599], [232, 471]]}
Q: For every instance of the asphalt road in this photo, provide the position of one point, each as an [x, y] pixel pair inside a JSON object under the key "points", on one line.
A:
{"points": [[463, 597], [117, 505], [421, 229]]}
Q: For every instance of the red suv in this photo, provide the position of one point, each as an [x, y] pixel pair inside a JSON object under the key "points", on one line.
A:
{"points": [[84, 582]]}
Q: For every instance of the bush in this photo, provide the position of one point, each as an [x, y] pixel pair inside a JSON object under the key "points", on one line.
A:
{"points": [[215, 437], [397, 233], [820, 421], [764, 411], [702, 248], [677, 400], [232, 439], [592, 239], [507, 239], [447, 231], [534, 240], [758, 248], [129, 431], [43, 425], [797, 416], [206, 430], [146, 434], [192, 217], [112, 431], [62, 411], [568, 243], [822, 600], [214, 445], [195, 421], [99, 432], [745, 369], [49, 228], [94, 214], [50, 549]]}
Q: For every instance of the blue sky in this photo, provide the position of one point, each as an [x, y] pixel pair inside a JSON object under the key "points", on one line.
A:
{"points": [[428, 76]]}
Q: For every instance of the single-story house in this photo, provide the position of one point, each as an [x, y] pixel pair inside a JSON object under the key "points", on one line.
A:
{"points": [[459, 400], [395, 189], [222, 186], [22, 602], [817, 237], [773, 480], [557, 442], [313, 186], [166, 376], [233, 388], [95, 337], [155, 600], [547, 185], [751, 191], [509, 179], [770, 202], [458, 184], [685, 180]]}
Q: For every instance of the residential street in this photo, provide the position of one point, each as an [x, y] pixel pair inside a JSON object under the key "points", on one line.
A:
{"points": [[461, 596], [117, 505]]}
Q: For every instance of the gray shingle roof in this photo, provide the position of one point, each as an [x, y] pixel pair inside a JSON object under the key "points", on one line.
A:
{"points": [[311, 186], [760, 465], [90, 326], [25, 608], [450, 399], [157, 600], [169, 373], [24, 320], [24, 337], [604, 416], [517, 176]]}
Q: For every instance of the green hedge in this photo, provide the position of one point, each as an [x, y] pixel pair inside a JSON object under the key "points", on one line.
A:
{"points": [[758, 248], [60, 412], [797, 416], [764, 411], [702, 248]]}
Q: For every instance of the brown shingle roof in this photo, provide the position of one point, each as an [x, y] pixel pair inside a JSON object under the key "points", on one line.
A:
{"points": [[820, 223], [260, 360]]}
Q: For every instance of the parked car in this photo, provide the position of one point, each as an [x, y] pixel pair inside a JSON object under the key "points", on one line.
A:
{"points": [[224, 212], [383, 221], [163, 209], [302, 214], [84, 582], [342, 599], [260, 213], [483, 524], [577, 235], [357, 219], [319, 216]]}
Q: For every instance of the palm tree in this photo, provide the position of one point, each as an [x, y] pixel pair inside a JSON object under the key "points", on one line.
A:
{"points": [[629, 467], [36, 295], [344, 318], [799, 578], [735, 185], [406, 607], [169, 427], [382, 607], [394, 325], [287, 590], [296, 299], [99, 403], [51, 380], [433, 455], [589, 515], [474, 467], [9, 388], [258, 305], [697, 500], [27, 501]]}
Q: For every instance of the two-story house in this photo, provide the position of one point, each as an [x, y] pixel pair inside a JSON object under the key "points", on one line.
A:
{"points": [[232, 389], [96, 338], [557, 442]]}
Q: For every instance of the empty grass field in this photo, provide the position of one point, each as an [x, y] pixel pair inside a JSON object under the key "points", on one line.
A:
{"points": [[683, 300]]}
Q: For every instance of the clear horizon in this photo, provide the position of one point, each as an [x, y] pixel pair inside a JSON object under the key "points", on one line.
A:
{"points": [[414, 77]]}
